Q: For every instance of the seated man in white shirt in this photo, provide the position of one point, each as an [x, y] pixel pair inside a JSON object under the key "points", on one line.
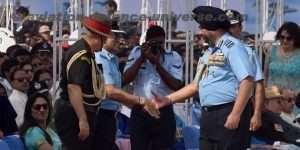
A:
{"points": [[18, 98], [288, 104]]}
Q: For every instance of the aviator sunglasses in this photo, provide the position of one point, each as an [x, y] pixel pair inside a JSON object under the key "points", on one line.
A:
{"points": [[39, 106]]}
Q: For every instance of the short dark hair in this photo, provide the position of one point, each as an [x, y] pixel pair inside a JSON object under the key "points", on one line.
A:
{"points": [[7, 65], [111, 3], [11, 50], [21, 52], [155, 31], [23, 10], [12, 76], [293, 30], [38, 73]]}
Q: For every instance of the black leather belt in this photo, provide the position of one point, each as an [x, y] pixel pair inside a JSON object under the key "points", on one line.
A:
{"points": [[92, 109], [217, 107], [109, 112]]}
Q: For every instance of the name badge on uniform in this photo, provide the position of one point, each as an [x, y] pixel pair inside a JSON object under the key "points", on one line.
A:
{"points": [[155, 79]]}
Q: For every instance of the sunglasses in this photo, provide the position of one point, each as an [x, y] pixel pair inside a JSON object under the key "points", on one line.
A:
{"points": [[39, 106], [28, 70], [22, 79], [288, 38]]}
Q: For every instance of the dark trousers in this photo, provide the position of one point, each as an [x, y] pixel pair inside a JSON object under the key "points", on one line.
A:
{"points": [[67, 127], [105, 132], [146, 132], [213, 134]]}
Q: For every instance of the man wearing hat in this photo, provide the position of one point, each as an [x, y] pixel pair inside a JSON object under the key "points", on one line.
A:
{"points": [[273, 127], [44, 51], [235, 29], [82, 85], [224, 80]]}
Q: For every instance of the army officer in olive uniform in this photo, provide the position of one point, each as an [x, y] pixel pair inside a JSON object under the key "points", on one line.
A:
{"points": [[82, 85]]}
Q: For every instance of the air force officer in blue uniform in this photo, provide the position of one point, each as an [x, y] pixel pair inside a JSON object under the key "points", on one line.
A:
{"points": [[224, 80]]}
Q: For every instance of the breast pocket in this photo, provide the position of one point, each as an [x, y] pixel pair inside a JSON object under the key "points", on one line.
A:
{"points": [[142, 77], [116, 77], [215, 72]]}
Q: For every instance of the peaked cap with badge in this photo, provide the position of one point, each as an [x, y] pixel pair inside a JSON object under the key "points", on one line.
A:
{"points": [[211, 18], [41, 47], [37, 87]]}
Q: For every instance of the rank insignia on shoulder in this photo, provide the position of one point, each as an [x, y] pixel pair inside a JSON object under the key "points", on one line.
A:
{"points": [[228, 43], [278, 127], [177, 66], [84, 58], [129, 60]]}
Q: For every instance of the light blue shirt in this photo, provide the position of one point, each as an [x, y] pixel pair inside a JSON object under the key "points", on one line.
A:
{"points": [[34, 137], [148, 79], [254, 60], [112, 76], [6, 85], [221, 84]]}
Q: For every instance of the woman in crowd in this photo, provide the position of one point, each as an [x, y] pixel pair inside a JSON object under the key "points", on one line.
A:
{"points": [[283, 61], [35, 131]]}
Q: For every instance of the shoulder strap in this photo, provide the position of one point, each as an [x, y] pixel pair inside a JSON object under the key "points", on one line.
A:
{"points": [[73, 58]]}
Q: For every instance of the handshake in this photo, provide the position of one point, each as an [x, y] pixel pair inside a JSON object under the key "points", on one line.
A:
{"points": [[153, 106]]}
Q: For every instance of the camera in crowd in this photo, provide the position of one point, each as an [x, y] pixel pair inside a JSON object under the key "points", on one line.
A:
{"points": [[154, 46]]}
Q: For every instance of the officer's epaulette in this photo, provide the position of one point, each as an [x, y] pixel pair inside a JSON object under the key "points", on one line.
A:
{"points": [[228, 43], [129, 60], [177, 67], [220, 44], [84, 58]]}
